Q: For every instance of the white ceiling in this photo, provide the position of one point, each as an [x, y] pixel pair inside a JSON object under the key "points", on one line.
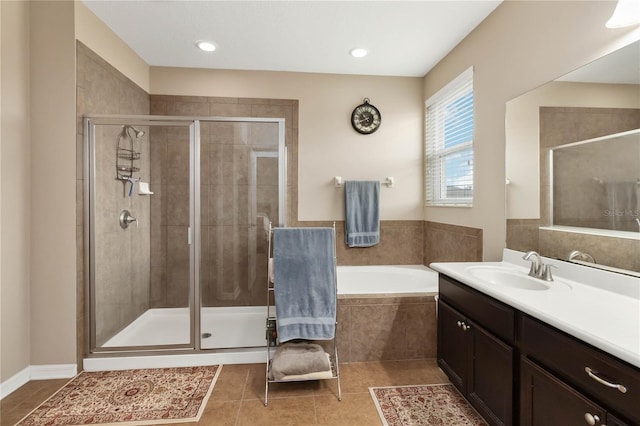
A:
{"points": [[404, 38]]}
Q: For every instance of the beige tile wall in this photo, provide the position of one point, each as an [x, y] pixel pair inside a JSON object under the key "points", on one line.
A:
{"points": [[619, 252], [386, 328], [401, 243], [451, 243], [523, 234], [101, 89]]}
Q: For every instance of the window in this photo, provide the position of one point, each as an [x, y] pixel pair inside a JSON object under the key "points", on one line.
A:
{"points": [[449, 144]]}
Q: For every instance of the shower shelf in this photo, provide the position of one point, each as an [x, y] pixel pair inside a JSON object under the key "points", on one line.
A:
{"points": [[125, 154], [128, 169]]}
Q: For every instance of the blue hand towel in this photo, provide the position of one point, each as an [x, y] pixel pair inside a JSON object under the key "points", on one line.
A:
{"points": [[362, 213], [305, 283]]}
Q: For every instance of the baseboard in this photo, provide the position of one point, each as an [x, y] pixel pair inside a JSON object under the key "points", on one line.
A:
{"points": [[53, 371], [14, 382], [37, 372]]}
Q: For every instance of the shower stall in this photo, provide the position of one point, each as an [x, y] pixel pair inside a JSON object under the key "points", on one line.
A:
{"points": [[177, 215]]}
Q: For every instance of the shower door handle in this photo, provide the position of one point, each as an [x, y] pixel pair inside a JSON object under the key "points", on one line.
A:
{"points": [[189, 236]]}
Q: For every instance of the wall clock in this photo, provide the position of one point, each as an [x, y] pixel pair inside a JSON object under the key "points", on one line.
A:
{"points": [[366, 118]]}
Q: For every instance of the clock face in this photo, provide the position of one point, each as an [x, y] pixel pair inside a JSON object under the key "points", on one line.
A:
{"points": [[366, 118]]}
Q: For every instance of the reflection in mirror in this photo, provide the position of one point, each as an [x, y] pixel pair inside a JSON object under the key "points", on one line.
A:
{"points": [[596, 183], [589, 104]]}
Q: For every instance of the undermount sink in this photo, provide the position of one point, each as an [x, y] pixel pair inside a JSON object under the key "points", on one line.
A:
{"points": [[512, 278]]}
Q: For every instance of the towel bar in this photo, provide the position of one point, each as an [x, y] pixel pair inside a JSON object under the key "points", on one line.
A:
{"points": [[388, 181]]}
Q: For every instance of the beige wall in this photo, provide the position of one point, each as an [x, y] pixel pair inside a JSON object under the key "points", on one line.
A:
{"points": [[14, 194], [53, 185], [523, 134], [328, 146], [520, 46], [98, 37]]}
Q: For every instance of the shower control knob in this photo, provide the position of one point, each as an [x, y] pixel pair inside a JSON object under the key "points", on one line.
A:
{"points": [[126, 219]]}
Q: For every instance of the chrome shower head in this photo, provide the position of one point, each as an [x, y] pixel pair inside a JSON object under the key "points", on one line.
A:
{"points": [[138, 133]]}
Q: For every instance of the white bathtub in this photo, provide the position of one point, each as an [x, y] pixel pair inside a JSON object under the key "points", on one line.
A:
{"points": [[386, 280]]}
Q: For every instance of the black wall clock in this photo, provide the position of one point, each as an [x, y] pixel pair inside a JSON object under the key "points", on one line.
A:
{"points": [[366, 118]]}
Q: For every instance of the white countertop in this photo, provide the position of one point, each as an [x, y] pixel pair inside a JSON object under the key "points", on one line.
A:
{"points": [[599, 307]]}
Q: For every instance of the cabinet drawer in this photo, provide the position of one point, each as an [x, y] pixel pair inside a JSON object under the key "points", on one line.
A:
{"points": [[569, 358], [546, 400], [494, 316]]}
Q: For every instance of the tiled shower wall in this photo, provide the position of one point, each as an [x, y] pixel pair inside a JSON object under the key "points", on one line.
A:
{"points": [[559, 126], [233, 267], [239, 197], [101, 89], [121, 255]]}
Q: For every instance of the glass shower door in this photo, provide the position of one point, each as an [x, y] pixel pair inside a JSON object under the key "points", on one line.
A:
{"points": [[140, 216], [242, 190]]}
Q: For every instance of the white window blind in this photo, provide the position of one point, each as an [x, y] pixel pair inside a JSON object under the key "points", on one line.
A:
{"points": [[449, 144]]}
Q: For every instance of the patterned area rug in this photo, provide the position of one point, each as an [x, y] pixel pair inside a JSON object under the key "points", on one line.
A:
{"points": [[424, 405], [129, 397]]}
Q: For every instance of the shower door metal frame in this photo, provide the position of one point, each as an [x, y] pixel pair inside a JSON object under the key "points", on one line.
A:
{"points": [[90, 121], [195, 305]]}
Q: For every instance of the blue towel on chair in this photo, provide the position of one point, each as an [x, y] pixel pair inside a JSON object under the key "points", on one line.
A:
{"points": [[362, 213], [305, 286]]}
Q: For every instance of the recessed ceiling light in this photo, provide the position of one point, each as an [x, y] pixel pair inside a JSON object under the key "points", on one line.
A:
{"points": [[358, 52], [206, 45]]}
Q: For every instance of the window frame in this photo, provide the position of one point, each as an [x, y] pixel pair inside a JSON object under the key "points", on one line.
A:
{"points": [[436, 153]]}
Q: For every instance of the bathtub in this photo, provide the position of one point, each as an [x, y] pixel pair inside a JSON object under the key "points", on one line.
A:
{"points": [[386, 281]]}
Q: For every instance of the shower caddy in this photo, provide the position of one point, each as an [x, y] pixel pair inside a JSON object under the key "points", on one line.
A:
{"points": [[125, 157], [271, 333]]}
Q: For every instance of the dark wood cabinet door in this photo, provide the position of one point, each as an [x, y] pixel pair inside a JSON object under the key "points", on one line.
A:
{"points": [[545, 400], [614, 421], [490, 387], [453, 353]]}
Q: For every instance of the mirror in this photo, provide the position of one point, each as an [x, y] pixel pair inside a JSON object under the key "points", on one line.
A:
{"points": [[587, 192], [585, 110]]}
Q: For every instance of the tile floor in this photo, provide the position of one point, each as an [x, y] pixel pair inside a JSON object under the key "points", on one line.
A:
{"points": [[238, 396]]}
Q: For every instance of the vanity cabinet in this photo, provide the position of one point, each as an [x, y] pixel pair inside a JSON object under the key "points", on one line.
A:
{"points": [[475, 338], [570, 382], [515, 369]]}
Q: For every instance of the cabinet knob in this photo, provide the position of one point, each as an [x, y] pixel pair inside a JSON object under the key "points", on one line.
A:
{"points": [[466, 327], [591, 419], [460, 324]]}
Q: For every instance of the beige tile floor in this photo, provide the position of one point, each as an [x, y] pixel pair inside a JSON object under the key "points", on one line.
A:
{"points": [[238, 396]]}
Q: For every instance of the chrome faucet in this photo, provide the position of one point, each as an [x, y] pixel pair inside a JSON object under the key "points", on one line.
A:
{"points": [[536, 263], [580, 255], [538, 268]]}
